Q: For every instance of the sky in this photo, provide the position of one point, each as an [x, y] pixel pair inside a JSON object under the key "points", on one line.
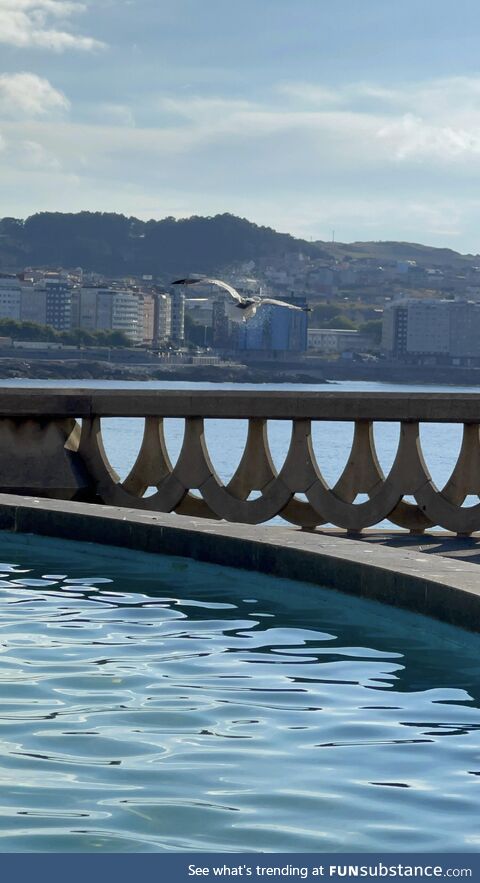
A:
{"points": [[355, 116]]}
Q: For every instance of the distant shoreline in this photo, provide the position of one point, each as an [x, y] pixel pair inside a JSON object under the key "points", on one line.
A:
{"points": [[277, 372], [46, 369]]}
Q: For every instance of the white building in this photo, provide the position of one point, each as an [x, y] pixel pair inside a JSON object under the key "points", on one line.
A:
{"points": [[120, 311], [10, 297], [331, 341], [429, 326], [108, 309], [163, 317], [432, 328]]}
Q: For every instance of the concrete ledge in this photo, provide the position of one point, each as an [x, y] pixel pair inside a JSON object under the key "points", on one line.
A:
{"points": [[37, 403], [444, 588]]}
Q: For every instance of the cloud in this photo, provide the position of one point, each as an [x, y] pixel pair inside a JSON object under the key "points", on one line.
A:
{"points": [[114, 113], [432, 120], [373, 162], [32, 155], [311, 94], [34, 23], [27, 95], [197, 121], [413, 138]]}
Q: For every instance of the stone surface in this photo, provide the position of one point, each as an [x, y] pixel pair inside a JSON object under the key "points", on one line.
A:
{"points": [[435, 408]]}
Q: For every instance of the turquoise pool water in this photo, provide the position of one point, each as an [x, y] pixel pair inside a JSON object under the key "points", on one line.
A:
{"points": [[154, 703]]}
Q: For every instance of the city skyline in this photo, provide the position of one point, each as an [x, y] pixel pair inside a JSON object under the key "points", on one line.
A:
{"points": [[365, 120]]}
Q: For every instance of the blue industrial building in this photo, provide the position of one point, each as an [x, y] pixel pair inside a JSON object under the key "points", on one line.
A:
{"points": [[275, 329]]}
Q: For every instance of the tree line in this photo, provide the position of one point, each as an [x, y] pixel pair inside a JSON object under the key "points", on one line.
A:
{"points": [[117, 245], [76, 336]]}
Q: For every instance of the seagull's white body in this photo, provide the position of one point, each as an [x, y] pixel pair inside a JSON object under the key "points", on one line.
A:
{"points": [[248, 305]]}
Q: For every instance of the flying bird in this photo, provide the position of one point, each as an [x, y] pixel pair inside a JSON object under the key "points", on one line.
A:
{"points": [[248, 305]]}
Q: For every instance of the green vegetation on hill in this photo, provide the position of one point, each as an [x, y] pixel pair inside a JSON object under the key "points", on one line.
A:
{"points": [[118, 246], [424, 255], [77, 336]]}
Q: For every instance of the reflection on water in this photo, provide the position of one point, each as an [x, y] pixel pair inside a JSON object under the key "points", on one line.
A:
{"points": [[151, 704]]}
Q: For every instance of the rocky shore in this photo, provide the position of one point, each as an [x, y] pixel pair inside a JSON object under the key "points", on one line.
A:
{"points": [[46, 369], [28, 368]]}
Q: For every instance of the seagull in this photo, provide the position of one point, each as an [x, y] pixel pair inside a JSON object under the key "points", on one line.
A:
{"points": [[248, 305]]}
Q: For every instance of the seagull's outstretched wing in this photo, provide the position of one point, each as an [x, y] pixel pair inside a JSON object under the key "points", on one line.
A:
{"points": [[207, 281], [280, 303], [231, 290]]}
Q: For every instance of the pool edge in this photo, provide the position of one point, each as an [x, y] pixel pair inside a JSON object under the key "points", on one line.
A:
{"points": [[443, 588]]}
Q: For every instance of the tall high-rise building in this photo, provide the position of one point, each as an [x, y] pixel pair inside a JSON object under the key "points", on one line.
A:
{"points": [[147, 303], [178, 317], [58, 304], [162, 318]]}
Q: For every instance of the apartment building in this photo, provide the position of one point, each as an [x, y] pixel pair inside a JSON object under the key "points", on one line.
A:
{"points": [[120, 311], [108, 309], [162, 318], [178, 317], [33, 304], [433, 331], [58, 303], [10, 297]]}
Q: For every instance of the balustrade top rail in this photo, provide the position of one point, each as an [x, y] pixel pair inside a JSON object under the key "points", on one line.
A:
{"points": [[331, 405]]}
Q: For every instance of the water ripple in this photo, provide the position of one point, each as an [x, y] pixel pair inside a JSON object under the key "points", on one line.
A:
{"points": [[151, 704]]}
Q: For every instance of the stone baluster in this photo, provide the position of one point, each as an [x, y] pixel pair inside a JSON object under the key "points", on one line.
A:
{"points": [[51, 454]]}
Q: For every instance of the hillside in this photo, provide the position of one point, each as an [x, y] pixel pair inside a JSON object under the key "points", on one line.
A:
{"points": [[424, 255], [117, 245]]}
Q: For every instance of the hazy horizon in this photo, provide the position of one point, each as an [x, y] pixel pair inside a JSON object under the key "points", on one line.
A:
{"points": [[363, 118]]}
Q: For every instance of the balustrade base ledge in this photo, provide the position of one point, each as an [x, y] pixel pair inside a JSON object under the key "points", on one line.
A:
{"points": [[443, 588]]}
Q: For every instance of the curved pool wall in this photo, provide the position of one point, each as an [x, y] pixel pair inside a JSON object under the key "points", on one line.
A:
{"points": [[443, 588]]}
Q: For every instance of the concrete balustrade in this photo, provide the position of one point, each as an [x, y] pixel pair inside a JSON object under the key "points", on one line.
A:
{"points": [[51, 446]]}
